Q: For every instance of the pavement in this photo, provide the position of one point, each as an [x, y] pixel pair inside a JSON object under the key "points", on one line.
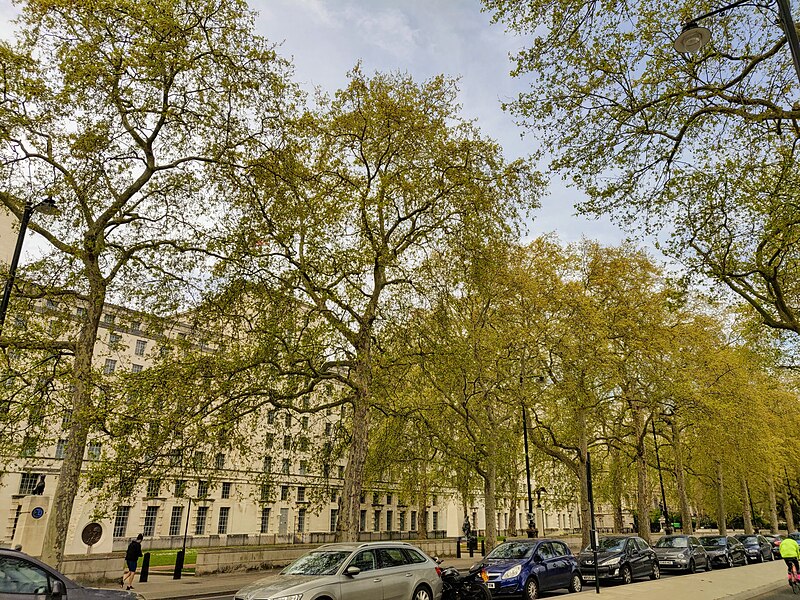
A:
{"points": [[738, 583]]}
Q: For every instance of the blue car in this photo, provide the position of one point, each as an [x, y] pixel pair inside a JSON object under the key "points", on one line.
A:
{"points": [[527, 567]]}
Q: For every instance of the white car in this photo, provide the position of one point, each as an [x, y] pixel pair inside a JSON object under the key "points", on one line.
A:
{"points": [[353, 571]]}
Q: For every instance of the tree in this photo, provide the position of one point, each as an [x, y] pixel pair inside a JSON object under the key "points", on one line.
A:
{"points": [[342, 217], [700, 147], [115, 110]]}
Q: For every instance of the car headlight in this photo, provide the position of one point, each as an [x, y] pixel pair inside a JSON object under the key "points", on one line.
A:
{"points": [[292, 597], [611, 561], [512, 572]]}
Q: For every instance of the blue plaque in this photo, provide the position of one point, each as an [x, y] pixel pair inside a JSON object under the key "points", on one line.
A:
{"points": [[37, 513]]}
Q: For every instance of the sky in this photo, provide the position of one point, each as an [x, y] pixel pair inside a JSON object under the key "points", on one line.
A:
{"points": [[325, 39]]}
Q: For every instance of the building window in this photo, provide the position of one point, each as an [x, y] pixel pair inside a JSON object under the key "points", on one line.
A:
{"points": [[267, 465], [271, 416], [175, 520], [200, 520], [61, 448], [219, 461], [284, 492], [66, 418], [266, 491], [288, 420], [285, 466], [340, 469], [436, 520], [434, 503], [114, 338], [375, 499], [304, 423], [362, 521], [334, 495], [81, 312], [121, 521], [287, 442], [303, 467], [202, 489], [150, 521], [376, 521], [388, 498], [136, 326], [264, 520], [301, 520], [108, 319], [403, 521], [226, 490], [328, 429], [413, 520], [140, 346], [93, 450], [269, 440], [154, 488], [301, 494], [180, 488], [389, 519], [110, 366], [334, 517], [136, 368], [222, 526]]}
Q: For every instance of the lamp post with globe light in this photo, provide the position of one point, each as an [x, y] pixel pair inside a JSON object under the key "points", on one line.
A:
{"points": [[693, 36], [46, 207]]}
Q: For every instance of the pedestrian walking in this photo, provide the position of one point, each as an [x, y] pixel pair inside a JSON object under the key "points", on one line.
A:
{"points": [[132, 556]]}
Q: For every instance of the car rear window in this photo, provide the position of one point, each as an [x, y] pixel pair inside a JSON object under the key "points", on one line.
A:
{"points": [[391, 557], [414, 557]]}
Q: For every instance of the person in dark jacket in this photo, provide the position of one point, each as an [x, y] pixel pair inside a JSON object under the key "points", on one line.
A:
{"points": [[132, 556]]}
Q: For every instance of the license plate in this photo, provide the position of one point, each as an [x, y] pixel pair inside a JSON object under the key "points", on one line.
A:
{"points": [[588, 577], [665, 562], [490, 586]]}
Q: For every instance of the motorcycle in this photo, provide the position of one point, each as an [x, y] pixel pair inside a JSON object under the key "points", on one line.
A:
{"points": [[457, 586]]}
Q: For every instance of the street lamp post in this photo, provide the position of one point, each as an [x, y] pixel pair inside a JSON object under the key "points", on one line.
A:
{"points": [[47, 207], [531, 518], [665, 511], [693, 37]]}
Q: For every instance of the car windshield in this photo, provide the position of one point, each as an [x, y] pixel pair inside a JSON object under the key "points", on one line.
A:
{"points": [[672, 542], [609, 545], [512, 550], [317, 563], [713, 541], [748, 539]]}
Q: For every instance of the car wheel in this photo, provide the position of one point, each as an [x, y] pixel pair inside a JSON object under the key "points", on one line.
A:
{"points": [[708, 564], [626, 574], [422, 593], [656, 572], [730, 561], [760, 557], [692, 567], [531, 589], [575, 583]]}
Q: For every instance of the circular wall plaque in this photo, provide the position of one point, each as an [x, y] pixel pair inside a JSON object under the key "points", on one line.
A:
{"points": [[92, 533], [37, 513]]}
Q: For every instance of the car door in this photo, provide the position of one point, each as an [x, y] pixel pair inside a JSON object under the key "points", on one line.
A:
{"points": [[698, 552], [562, 565], [22, 580], [634, 555], [368, 583], [765, 549], [396, 573], [737, 551]]}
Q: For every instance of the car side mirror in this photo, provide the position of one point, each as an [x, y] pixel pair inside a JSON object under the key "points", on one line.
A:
{"points": [[352, 570], [58, 590], [537, 557]]}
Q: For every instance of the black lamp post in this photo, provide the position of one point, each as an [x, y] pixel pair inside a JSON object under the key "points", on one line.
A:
{"points": [[693, 37], [531, 517], [664, 509], [47, 207]]}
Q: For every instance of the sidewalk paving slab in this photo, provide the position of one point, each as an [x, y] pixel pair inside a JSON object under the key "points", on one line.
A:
{"points": [[739, 583]]}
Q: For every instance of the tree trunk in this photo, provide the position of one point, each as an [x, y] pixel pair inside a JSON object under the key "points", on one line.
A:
{"points": [[642, 499], [422, 512], [773, 506], [512, 509], [721, 515], [616, 492], [787, 510], [586, 509], [746, 516], [490, 504], [680, 478], [55, 535]]}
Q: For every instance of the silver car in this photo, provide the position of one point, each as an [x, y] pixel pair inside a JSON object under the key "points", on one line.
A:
{"points": [[353, 571]]}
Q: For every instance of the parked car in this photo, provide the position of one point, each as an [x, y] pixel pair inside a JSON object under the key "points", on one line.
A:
{"points": [[724, 551], [756, 546], [618, 557], [681, 553], [775, 543], [23, 577], [354, 570], [529, 566]]}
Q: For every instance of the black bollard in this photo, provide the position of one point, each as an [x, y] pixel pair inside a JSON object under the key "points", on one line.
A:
{"points": [[176, 574], [145, 568], [458, 548], [471, 547], [483, 548]]}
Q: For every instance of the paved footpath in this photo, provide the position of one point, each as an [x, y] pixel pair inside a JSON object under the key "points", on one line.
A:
{"points": [[739, 583]]}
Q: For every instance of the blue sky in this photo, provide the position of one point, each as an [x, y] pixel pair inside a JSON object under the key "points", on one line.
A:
{"points": [[326, 38]]}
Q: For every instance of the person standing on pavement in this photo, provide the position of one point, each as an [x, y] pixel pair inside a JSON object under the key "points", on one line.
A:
{"points": [[132, 556], [790, 552]]}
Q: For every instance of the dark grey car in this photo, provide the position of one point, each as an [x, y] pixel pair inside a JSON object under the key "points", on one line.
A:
{"points": [[681, 553], [354, 571], [22, 577]]}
